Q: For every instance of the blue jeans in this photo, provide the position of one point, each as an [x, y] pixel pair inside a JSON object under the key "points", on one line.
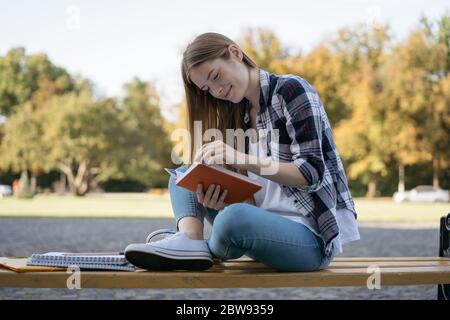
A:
{"points": [[244, 229]]}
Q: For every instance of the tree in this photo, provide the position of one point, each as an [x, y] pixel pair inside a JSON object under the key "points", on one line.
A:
{"points": [[438, 73], [363, 137], [93, 141], [83, 139], [418, 95], [150, 142], [22, 149], [263, 47], [29, 78], [325, 69]]}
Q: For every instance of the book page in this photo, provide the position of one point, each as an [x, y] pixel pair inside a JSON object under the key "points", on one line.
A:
{"points": [[176, 175]]}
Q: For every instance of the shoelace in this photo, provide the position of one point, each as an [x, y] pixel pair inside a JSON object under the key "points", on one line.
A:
{"points": [[159, 232]]}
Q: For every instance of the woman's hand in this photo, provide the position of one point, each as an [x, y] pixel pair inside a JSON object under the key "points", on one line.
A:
{"points": [[250, 200], [218, 152], [211, 198]]}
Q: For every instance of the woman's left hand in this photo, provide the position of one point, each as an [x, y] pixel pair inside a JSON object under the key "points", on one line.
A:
{"points": [[218, 152]]}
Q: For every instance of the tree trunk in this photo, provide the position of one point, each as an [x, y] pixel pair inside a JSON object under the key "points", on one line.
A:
{"points": [[33, 183], [372, 186], [436, 170], [79, 184], [62, 183], [401, 178], [81, 179]]}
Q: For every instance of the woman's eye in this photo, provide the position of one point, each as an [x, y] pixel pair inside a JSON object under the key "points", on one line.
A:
{"points": [[217, 75]]}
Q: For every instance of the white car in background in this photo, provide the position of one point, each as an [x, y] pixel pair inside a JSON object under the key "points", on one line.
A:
{"points": [[423, 193], [5, 190]]}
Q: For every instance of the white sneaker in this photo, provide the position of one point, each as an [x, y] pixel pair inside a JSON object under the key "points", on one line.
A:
{"points": [[175, 252]]}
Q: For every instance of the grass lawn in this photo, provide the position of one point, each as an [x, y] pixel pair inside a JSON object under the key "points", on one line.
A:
{"points": [[153, 206], [93, 206], [389, 211]]}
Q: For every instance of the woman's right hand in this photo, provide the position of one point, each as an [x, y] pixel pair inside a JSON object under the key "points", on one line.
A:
{"points": [[211, 198]]}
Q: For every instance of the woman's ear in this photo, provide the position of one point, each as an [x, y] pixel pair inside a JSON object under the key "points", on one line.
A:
{"points": [[235, 51]]}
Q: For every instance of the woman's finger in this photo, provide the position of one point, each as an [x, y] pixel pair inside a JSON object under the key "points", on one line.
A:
{"points": [[200, 152], [220, 202], [215, 196], [215, 159], [208, 194], [210, 145], [208, 149], [207, 155], [212, 156], [200, 195]]}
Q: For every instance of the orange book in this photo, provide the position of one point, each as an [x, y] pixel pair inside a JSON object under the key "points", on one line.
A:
{"points": [[239, 187]]}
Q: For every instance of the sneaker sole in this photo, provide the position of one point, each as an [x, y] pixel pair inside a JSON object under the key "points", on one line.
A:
{"points": [[152, 261]]}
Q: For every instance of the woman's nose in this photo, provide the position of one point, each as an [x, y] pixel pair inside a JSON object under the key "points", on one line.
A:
{"points": [[217, 91]]}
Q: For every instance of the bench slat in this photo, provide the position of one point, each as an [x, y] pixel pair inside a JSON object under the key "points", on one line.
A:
{"points": [[368, 259], [337, 264], [229, 278], [365, 259]]}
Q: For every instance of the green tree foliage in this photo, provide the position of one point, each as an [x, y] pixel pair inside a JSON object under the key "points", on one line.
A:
{"points": [[388, 103], [54, 122], [81, 138], [29, 78], [150, 142], [381, 98], [21, 148], [418, 97], [362, 138], [263, 47], [93, 141]]}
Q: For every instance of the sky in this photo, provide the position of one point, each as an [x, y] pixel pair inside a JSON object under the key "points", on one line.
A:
{"points": [[112, 41]]}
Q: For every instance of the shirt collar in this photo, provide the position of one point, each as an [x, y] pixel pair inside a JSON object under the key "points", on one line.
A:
{"points": [[264, 89]]}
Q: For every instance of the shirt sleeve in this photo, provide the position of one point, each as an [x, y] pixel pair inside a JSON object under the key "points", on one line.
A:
{"points": [[303, 112]]}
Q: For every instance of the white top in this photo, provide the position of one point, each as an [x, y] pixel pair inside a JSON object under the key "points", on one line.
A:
{"points": [[272, 198]]}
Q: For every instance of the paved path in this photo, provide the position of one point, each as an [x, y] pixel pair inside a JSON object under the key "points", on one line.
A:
{"points": [[24, 236]]}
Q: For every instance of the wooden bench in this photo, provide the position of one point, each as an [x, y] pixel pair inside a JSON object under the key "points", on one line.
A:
{"points": [[244, 273]]}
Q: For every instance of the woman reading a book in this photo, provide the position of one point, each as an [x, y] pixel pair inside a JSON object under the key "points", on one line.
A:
{"points": [[303, 214]]}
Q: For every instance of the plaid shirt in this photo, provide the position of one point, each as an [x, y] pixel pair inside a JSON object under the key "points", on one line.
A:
{"points": [[291, 105]]}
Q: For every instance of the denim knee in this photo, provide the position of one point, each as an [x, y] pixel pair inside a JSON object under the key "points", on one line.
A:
{"points": [[231, 221]]}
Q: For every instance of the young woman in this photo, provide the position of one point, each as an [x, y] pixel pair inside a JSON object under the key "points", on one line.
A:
{"points": [[304, 213]]}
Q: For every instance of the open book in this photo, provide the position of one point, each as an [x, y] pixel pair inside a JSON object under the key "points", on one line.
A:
{"points": [[93, 260], [239, 187]]}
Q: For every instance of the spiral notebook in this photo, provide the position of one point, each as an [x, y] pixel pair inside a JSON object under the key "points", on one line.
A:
{"points": [[90, 260]]}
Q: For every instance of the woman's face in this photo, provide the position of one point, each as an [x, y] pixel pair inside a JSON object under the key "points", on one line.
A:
{"points": [[224, 79]]}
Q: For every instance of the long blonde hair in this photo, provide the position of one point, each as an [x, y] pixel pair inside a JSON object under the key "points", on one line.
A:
{"points": [[201, 105]]}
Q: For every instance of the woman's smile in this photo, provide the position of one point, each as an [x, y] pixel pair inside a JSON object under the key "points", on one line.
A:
{"points": [[228, 93]]}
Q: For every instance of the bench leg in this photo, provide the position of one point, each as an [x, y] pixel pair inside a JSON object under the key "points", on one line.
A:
{"points": [[444, 251]]}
